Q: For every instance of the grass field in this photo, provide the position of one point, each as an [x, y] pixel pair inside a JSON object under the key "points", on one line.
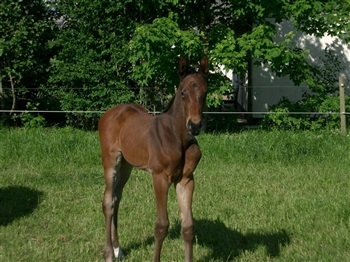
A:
{"points": [[260, 196]]}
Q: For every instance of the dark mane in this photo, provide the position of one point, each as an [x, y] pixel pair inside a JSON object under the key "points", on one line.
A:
{"points": [[169, 104]]}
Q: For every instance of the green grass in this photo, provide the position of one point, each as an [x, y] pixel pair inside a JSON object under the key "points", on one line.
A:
{"points": [[259, 196]]}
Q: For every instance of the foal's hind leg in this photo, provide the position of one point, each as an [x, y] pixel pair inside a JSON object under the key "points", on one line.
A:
{"points": [[120, 180], [184, 190], [116, 173]]}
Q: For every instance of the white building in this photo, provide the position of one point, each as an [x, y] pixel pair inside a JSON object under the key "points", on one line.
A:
{"points": [[267, 89]]}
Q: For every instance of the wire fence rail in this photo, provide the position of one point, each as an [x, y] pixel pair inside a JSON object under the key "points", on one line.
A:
{"points": [[142, 87], [159, 112]]}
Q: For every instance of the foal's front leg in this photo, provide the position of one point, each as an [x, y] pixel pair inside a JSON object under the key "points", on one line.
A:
{"points": [[184, 190], [161, 187]]}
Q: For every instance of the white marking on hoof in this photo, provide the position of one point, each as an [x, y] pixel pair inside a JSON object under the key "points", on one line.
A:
{"points": [[118, 253]]}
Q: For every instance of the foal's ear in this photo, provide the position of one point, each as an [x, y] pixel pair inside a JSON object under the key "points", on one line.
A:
{"points": [[183, 66], [203, 66]]}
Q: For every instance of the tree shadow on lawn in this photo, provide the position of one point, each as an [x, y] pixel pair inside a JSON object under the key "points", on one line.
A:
{"points": [[17, 202], [225, 243]]}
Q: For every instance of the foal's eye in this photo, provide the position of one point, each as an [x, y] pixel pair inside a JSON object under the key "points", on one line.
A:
{"points": [[183, 93]]}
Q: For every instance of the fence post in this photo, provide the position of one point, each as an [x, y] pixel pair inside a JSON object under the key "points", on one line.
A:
{"points": [[342, 104]]}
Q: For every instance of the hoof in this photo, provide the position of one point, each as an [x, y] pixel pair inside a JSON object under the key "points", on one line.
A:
{"points": [[118, 253]]}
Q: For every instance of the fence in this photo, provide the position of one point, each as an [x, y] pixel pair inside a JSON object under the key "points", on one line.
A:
{"points": [[159, 112], [342, 112]]}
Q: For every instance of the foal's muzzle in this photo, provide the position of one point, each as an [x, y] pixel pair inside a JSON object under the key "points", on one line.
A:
{"points": [[194, 128]]}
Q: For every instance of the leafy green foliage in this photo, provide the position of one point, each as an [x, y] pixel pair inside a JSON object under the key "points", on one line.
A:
{"points": [[89, 73], [25, 31], [154, 54], [320, 17], [32, 120], [101, 53], [325, 114]]}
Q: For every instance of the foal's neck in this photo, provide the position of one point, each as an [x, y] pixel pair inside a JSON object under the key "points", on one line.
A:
{"points": [[176, 110], [176, 117]]}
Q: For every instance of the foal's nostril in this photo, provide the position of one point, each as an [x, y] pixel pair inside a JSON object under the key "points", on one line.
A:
{"points": [[194, 128]]}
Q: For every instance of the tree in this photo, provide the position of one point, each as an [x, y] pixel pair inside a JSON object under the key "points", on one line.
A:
{"points": [[234, 33], [89, 72], [153, 52], [26, 31], [117, 52]]}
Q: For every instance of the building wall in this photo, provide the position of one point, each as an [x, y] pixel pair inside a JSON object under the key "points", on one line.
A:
{"points": [[267, 89]]}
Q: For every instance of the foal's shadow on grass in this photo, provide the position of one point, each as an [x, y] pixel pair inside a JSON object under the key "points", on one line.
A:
{"points": [[225, 243], [17, 202]]}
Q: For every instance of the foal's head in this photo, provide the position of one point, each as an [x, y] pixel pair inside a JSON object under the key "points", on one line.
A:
{"points": [[193, 89]]}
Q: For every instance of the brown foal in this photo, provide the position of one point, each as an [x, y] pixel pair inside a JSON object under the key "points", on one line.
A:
{"points": [[163, 145]]}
